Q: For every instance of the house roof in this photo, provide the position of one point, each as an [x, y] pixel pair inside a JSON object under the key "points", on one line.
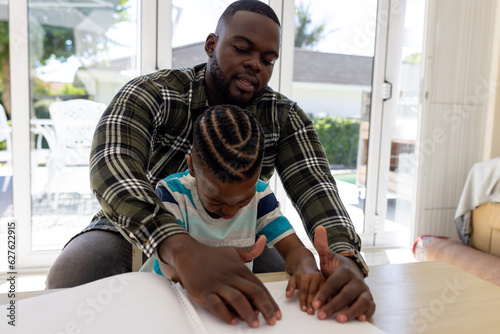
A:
{"points": [[332, 68], [189, 55], [308, 66], [117, 64]]}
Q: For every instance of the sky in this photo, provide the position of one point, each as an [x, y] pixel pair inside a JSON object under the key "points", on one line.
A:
{"points": [[345, 21], [349, 25], [349, 28]]}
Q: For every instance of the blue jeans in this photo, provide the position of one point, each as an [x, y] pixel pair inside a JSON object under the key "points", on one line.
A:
{"points": [[97, 254]]}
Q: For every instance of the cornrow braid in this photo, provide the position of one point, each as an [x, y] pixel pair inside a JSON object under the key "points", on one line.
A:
{"points": [[229, 142]]}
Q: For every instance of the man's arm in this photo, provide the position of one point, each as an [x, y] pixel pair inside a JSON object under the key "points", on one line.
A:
{"points": [[307, 179], [306, 176], [120, 154]]}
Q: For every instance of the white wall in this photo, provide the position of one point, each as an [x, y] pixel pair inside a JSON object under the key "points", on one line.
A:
{"points": [[492, 133], [456, 88], [103, 85], [328, 99]]}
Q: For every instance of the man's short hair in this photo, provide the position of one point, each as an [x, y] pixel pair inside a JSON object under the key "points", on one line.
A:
{"points": [[254, 6]]}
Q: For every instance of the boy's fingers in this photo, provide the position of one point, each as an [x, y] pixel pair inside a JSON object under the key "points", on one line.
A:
{"points": [[313, 288], [304, 290], [291, 286]]}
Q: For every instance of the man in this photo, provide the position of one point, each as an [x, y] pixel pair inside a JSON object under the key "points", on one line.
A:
{"points": [[144, 136]]}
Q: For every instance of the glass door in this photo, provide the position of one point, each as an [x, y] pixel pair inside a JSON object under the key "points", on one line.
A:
{"points": [[400, 106], [80, 55], [346, 58], [5, 135], [333, 55], [71, 51], [71, 57]]}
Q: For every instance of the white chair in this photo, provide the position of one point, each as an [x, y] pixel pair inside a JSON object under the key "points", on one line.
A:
{"points": [[73, 123], [6, 155]]}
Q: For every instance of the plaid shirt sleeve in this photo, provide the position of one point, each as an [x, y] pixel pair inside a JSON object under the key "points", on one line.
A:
{"points": [[307, 179], [120, 157]]}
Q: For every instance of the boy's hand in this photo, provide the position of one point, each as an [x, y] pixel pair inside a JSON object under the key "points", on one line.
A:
{"points": [[308, 282], [300, 263]]}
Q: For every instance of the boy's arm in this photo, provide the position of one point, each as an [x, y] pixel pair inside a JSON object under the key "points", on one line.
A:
{"points": [[296, 255], [301, 264]]}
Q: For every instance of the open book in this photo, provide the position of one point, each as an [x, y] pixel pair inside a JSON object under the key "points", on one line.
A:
{"points": [[148, 303]]}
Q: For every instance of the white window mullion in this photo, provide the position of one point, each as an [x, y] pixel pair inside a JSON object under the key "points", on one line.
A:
{"points": [[282, 78], [164, 35], [148, 53], [20, 106], [372, 206]]}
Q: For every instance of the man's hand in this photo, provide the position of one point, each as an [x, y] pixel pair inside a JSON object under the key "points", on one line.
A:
{"points": [[344, 290], [217, 278]]}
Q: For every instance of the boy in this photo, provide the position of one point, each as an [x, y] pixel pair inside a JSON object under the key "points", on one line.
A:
{"points": [[220, 200]]}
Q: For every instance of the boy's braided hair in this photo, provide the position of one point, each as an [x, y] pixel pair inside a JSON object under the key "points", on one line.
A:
{"points": [[229, 143]]}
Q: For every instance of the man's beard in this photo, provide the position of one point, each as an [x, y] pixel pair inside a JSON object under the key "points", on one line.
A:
{"points": [[222, 85]]}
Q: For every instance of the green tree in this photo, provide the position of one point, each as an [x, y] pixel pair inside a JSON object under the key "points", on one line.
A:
{"points": [[305, 35], [56, 42], [339, 137], [4, 66], [414, 58], [59, 43]]}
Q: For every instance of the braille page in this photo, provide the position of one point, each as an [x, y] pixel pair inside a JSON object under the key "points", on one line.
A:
{"points": [[293, 320], [128, 303]]}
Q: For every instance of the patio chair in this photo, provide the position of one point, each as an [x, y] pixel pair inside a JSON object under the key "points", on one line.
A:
{"points": [[74, 123], [5, 155]]}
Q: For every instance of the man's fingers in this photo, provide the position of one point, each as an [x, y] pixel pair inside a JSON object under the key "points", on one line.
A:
{"points": [[240, 304], [251, 252], [345, 297], [325, 254], [327, 290], [362, 308], [321, 241], [220, 309], [260, 297], [350, 295]]}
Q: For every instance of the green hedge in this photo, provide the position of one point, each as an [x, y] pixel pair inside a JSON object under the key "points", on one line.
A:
{"points": [[340, 140], [42, 108]]}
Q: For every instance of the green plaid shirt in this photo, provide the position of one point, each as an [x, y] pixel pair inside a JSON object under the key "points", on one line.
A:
{"points": [[146, 132]]}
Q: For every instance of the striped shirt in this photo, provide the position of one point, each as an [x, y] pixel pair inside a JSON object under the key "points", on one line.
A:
{"points": [[146, 132], [262, 216]]}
